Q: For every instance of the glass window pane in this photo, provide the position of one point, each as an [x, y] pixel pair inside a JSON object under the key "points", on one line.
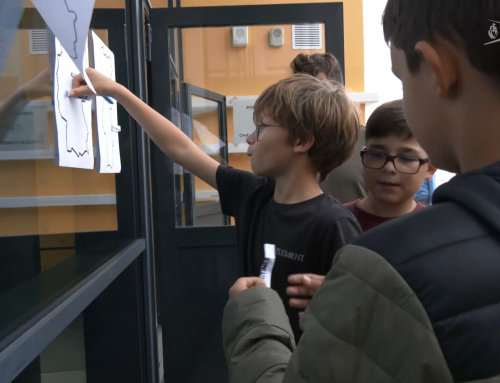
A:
{"points": [[49, 215], [30, 281], [76, 355], [37, 196]]}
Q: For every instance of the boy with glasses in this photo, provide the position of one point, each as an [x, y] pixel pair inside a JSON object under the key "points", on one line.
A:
{"points": [[395, 166]]}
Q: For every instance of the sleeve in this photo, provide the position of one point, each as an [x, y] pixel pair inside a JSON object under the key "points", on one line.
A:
{"points": [[232, 185], [365, 324], [258, 339], [342, 232]]}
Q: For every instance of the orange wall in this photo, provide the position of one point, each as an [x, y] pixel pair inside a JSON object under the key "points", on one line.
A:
{"points": [[211, 62], [353, 32]]}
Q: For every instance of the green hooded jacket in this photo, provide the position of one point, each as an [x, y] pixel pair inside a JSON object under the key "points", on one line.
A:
{"points": [[363, 325]]}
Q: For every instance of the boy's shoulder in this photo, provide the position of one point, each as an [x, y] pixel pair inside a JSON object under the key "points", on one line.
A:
{"points": [[421, 232], [329, 208], [329, 214], [230, 180], [448, 256]]}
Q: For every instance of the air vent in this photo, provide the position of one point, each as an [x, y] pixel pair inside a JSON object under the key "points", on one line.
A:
{"points": [[38, 42], [306, 36]]}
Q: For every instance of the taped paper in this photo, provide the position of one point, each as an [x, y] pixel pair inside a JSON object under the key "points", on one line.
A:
{"points": [[266, 270]]}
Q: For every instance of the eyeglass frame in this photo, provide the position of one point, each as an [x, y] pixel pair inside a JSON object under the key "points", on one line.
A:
{"points": [[257, 126], [392, 159]]}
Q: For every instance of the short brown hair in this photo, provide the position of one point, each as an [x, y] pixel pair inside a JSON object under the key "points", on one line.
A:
{"points": [[309, 107], [463, 22], [318, 63], [388, 120]]}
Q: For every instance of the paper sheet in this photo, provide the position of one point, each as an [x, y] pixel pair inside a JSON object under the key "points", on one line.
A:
{"points": [[10, 14], [244, 124], [211, 143], [266, 270], [106, 113], [69, 20], [73, 115]]}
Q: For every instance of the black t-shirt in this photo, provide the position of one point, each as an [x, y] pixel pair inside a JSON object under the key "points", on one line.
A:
{"points": [[306, 235]]}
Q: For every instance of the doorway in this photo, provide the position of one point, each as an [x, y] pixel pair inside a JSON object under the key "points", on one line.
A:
{"points": [[200, 78]]}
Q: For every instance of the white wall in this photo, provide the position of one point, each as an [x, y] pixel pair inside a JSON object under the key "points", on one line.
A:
{"points": [[378, 74]]}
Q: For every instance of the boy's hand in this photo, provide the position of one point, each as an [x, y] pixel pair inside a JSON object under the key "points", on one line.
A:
{"points": [[103, 85], [305, 285], [244, 284]]}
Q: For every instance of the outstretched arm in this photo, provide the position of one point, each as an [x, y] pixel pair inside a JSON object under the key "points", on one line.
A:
{"points": [[171, 140], [11, 109]]}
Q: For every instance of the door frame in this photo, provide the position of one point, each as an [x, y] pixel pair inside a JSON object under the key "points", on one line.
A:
{"points": [[169, 238], [163, 19], [189, 195]]}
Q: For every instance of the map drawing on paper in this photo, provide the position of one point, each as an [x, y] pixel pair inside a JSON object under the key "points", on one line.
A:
{"points": [[69, 21], [106, 113], [73, 115]]}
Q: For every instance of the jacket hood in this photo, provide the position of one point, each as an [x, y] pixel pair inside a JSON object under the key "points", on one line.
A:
{"points": [[478, 191]]}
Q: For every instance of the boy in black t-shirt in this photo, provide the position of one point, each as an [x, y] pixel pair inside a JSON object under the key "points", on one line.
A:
{"points": [[305, 127]]}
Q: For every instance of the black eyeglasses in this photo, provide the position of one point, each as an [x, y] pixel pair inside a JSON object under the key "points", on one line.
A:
{"points": [[402, 164], [260, 127]]}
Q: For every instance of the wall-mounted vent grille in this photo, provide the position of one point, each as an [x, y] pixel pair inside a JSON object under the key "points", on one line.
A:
{"points": [[307, 36], [38, 42]]}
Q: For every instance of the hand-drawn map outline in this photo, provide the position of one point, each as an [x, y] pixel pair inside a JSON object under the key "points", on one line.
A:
{"points": [[109, 164], [108, 142], [76, 32], [86, 151]]}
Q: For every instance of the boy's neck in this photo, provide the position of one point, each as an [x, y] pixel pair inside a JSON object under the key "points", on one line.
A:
{"points": [[478, 135], [381, 209], [296, 187]]}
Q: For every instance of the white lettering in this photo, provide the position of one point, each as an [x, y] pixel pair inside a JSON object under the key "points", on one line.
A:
{"points": [[290, 255]]}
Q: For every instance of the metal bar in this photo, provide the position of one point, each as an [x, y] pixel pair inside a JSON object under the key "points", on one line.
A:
{"points": [[204, 93], [137, 21], [164, 213], [62, 200], [248, 14], [189, 187], [334, 35], [224, 151], [17, 355], [37, 154]]}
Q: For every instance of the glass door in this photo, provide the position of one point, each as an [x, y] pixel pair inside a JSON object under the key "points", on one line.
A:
{"points": [[220, 59]]}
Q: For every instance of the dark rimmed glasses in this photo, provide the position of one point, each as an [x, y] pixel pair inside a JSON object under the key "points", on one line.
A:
{"points": [[402, 164], [259, 128]]}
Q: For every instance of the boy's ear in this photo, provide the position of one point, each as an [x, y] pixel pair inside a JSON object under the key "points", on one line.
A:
{"points": [[303, 144], [431, 170], [441, 60]]}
